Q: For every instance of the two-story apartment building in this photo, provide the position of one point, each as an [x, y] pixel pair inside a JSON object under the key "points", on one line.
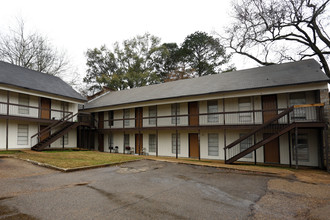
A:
{"points": [[272, 114], [30, 102]]}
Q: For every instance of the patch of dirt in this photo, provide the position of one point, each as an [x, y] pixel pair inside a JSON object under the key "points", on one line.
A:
{"points": [[128, 170], [293, 200], [8, 213]]}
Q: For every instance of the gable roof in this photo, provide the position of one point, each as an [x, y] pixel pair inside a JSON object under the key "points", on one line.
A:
{"points": [[13, 75], [301, 72]]}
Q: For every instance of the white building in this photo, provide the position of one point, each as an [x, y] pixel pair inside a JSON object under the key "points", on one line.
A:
{"points": [[250, 115], [30, 101]]}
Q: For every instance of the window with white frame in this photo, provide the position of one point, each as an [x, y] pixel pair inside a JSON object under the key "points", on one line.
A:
{"points": [[298, 98], [152, 143], [244, 104], [65, 139], [213, 144], [126, 115], [177, 108], [152, 115], [23, 100], [302, 147], [212, 107], [126, 140], [22, 134], [245, 144], [174, 143]]}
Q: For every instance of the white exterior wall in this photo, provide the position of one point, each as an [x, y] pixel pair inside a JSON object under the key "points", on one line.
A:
{"points": [[227, 105], [32, 126]]}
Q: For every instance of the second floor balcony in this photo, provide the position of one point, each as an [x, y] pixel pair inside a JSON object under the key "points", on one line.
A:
{"points": [[12, 110], [311, 113]]}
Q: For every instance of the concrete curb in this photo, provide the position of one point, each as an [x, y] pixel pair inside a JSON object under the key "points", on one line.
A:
{"points": [[65, 170], [264, 173]]}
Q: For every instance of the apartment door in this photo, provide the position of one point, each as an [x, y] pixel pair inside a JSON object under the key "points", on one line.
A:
{"points": [[138, 117], [269, 107], [138, 143], [193, 113], [193, 145], [271, 151], [45, 108], [44, 135], [101, 136]]}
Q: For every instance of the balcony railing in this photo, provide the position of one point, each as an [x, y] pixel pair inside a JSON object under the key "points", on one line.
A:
{"points": [[26, 111], [253, 117]]}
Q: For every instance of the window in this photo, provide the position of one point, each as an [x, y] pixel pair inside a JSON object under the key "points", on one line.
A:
{"points": [[65, 139], [174, 143], [126, 115], [110, 140], [298, 99], [303, 151], [126, 140], [212, 107], [245, 144], [177, 108], [152, 113], [213, 145], [244, 104], [22, 134], [23, 100], [152, 143], [110, 117]]}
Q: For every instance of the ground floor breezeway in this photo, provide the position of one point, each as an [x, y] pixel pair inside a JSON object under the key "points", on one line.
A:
{"points": [[209, 144]]}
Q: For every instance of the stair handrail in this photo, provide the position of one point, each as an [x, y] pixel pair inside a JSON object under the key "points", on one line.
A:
{"points": [[288, 110], [50, 126]]}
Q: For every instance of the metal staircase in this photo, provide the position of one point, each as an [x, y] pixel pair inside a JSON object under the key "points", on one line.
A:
{"points": [[280, 124], [63, 126]]}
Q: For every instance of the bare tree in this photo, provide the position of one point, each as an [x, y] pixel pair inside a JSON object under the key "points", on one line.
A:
{"points": [[273, 31], [31, 50]]}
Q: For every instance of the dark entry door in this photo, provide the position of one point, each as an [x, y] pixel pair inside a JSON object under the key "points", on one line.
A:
{"points": [[271, 150], [45, 108], [138, 117], [138, 143], [269, 107], [101, 136], [193, 113], [193, 145], [44, 135]]}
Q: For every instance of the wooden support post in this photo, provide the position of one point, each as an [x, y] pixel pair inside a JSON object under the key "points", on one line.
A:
{"points": [[255, 151], [156, 131], [176, 131], [321, 147], [326, 142], [290, 153], [225, 144], [296, 146], [254, 136], [123, 143], [176, 144], [7, 121], [157, 143], [199, 144]]}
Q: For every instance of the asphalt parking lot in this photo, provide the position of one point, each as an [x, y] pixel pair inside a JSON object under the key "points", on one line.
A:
{"points": [[137, 190]]}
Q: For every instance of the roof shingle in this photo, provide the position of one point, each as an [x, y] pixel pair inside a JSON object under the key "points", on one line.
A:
{"points": [[11, 74], [302, 72]]}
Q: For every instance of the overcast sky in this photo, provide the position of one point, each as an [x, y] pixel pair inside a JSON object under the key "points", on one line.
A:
{"points": [[77, 25]]}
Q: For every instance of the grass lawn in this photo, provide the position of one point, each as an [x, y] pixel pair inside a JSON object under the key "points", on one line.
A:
{"points": [[74, 159], [9, 151]]}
